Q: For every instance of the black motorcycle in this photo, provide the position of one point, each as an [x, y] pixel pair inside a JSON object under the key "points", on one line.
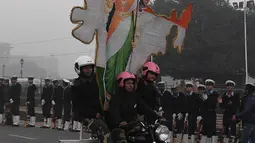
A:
{"points": [[140, 133], [151, 133]]}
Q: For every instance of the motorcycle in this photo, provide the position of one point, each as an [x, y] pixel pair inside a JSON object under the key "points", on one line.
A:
{"points": [[151, 133]]}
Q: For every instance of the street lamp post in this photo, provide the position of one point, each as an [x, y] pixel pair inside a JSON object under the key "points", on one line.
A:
{"points": [[3, 70], [21, 67], [245, 42]]}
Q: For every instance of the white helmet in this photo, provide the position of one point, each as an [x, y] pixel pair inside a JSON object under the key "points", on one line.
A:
{"points": [[82, 61]]}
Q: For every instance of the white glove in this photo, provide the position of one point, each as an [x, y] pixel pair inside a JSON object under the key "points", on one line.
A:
{"points": [[27, 103], [161, 113], [43, 102], [53, 102], [11, 101], [204, 96], [179, 116], [174, 115], [160, 109], [171, 91], [186, 116], [199, 118]]}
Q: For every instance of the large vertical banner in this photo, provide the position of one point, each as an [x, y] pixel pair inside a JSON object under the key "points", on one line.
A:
{"points": [[127, 33]]}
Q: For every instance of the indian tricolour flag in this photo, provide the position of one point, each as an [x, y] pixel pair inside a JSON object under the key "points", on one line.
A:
{"points": [[115, 29]]}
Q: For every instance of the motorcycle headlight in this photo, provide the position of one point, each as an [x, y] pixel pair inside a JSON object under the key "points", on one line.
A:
{"points": [[162, 132]]}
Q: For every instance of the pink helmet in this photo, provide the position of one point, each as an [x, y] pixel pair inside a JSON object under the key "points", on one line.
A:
{"points": [[124, 76], [150, 66]]}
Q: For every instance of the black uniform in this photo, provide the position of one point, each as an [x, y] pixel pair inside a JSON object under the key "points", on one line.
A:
{"points": [[181, 102], [47, 97], [243, 99], [176, 102], [14, 92], [31, 99], [167, 103], [209, 114], [124, 107], [149, 94], [1, 99], [58, 99], [6, 94], [193, 107], [7, 111], [231, 103], [86, 102], [67, 102]]}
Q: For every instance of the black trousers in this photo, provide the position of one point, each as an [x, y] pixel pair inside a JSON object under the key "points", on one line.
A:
{"points": [[180, 125], [67, 111], [15, 108], [169, 121], [209, 124], [229, 125], [57, 109], [1, 106], [76, 116], [46, 110], [192, 121], [8, 115], [31, 108]]}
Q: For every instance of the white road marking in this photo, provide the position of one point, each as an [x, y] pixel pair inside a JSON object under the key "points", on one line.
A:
{"points": [[23, 137]]}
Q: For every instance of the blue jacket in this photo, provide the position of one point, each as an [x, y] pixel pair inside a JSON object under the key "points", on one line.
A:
{"points": [[248, 114]]}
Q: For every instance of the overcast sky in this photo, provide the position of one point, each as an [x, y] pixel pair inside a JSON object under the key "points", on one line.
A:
{"points": [[37, 20]]}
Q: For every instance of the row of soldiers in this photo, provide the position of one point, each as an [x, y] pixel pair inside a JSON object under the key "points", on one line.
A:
{"points": [[189, 109], [56, 96]]}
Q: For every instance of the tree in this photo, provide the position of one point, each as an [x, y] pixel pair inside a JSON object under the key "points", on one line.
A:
{"points": [[214, 43]]}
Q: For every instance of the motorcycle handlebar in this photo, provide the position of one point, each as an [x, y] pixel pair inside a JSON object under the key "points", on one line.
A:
{"points": [[133, 123]]}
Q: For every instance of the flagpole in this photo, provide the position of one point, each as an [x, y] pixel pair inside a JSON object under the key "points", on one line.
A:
{"points": [[152, 58], [245, 41], [135, 24]]}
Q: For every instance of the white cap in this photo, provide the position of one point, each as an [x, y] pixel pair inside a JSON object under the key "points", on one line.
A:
{"points": [[47, 78], [66, 80], [209, 81], [252, 84], [162, 82], [189, 83], [14, 76], [230, 82], [201, 85]]}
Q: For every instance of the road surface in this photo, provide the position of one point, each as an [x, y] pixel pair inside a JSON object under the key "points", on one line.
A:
{"points": [[20, 134]]}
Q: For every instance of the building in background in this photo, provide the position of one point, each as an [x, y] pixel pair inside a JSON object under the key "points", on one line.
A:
{"points": [[39, 67]]}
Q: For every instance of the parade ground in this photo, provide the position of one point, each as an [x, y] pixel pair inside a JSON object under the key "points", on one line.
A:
{"points": [[9, 134]]}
